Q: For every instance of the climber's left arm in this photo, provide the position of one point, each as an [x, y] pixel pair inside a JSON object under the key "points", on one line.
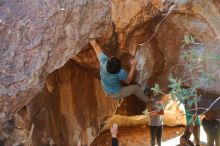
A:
{"points": [[96, 47]]}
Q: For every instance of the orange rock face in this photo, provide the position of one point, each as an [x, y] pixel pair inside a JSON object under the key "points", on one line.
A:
{"points": [[42, 102], [72, 106]]}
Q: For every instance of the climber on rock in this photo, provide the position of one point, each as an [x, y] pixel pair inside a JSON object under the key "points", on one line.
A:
{"points": [[112, 74]]}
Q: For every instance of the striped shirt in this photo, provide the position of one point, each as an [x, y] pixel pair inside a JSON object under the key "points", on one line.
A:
{"points": [[110, 82], [155, 120]]}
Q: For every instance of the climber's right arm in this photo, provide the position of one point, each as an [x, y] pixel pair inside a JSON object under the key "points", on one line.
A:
{"points": [[96, 47], [131, 72]]}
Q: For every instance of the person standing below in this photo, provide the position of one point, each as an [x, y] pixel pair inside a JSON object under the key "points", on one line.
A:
{"points": [[184, 141], [112, 74], [114, 132], [193, 126], [212, 129], [155, 123]]}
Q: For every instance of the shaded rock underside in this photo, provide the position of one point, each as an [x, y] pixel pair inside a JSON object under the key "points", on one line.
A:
{"points": [[39, 108]]}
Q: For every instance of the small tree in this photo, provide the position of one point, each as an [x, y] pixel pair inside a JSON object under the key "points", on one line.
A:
{"points": [[198, 68]]}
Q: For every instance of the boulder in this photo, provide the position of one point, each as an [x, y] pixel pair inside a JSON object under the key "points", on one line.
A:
{"points": [[43, 101], [38, 37]]}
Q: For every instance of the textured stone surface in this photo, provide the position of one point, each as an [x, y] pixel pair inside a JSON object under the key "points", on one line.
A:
{"points": [[72, 106], [173, 116], [128, 15], [38, 37], [158, 41]]}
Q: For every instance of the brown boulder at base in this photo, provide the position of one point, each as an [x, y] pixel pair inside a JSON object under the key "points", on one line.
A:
{"points": [[50, 90]]}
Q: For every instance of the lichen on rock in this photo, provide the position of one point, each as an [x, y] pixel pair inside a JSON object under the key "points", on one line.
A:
{"points": [[40, 102]]}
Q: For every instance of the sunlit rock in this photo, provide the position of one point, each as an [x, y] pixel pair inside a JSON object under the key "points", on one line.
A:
{"points": [[43, 103]]}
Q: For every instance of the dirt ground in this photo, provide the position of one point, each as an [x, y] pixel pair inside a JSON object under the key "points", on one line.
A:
{"points": [[140, 136]]}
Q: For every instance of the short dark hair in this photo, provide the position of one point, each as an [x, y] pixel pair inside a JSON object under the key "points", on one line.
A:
{"points": [[113, 65]]}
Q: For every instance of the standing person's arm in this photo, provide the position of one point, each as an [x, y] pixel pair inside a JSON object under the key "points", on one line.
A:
{"points": [[96, 47], [114, 132], [79, 143], [131, 72]]}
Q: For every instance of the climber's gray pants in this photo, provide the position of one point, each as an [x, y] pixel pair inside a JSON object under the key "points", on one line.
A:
{"points": [[129, 90]]}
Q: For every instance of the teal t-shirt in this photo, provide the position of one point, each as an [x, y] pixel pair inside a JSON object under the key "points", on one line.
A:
{"points": [[189, 117], [110, 82]]}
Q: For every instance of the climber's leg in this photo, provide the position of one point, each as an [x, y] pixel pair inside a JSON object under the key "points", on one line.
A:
{"points": [[129, 90]]}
